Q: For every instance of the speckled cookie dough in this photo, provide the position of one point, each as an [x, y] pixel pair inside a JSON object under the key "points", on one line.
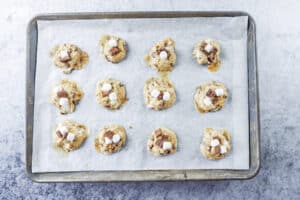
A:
{"points": [[111, 139], [113, 48], [69, 135], [159, 93], [210, 96], [208, 52], [162, 56], [215, 143], [65, 95], [111, 93], [69, 57], [162, 141]]}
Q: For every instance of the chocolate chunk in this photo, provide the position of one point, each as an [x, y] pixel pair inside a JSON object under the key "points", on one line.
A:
{"points": [[62, 94], [211, 56], [158, 132], [59, 134], [109, 134], [202, 47], [114, 51], [217, 149], [105, 93], [210, 93], [161, 95], [161, 141]]}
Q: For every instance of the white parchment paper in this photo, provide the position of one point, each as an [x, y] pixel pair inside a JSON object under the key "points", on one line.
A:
{"points": [[139, 121]]}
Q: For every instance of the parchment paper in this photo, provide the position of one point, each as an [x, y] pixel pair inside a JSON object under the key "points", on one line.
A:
{"points": [[182, 118]]}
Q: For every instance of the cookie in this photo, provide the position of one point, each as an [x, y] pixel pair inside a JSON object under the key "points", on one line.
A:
{"points": [[113, 48], [162, 56], [159, 93], [111, 139], [215, 143], [162, 141], [208, 52], [65, 95], [210, 96], [111, 93], [69, 57], [69, 135]]}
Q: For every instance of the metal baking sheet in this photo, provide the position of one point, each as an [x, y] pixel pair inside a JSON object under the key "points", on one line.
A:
{"points": [[168, 174]]}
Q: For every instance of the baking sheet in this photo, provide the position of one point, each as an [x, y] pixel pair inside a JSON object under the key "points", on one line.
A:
{"points": [[140, 35]]}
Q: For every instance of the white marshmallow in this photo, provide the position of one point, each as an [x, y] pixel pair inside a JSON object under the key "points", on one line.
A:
{"points": [[63, 129], [219, 92], [112, 43], [112, 96], [167, 145], [116, 138], [64, 55], [208, 48], [214, 142], [64, 102], [70, 137], [223, 149], [58, 89], [207, 101], [166, 96], [106, 87], [163, 55], [107, 140], [155, 93]]}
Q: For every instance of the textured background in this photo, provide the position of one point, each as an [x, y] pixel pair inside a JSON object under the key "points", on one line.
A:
{"points": [[278, 33]]}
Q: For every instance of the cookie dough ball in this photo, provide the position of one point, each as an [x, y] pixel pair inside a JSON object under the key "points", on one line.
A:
{"points": [[215, 143], [159, 93], [65, 95], [69, 57], [111, 139], [162, 141], [112, 48], [210, 97], [69, 135], [208, 52], [111, 93], [162, 56]]}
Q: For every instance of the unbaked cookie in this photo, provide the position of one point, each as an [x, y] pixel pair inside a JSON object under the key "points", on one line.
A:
{"points": [[113, 48], [111, 139], [215, 143], [208, 52], [162, 141], [159, 93], [210, 96], [65, 95], [69, 57], [111, 93], [162, 56], [69, 135]]}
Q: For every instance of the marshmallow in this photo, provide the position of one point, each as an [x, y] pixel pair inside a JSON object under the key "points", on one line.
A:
{"points": [[208, 48], [112, 43], [167, 145], [166, 96], [64, 102], [70, 137], [207, 101], [163, 55], [58, 89], [63, 129], [223, 149], [112, 96], [107, 140], [64, 55], [214, 142], [106, 87], [219, 92], [155, 93], [116, 138]]}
